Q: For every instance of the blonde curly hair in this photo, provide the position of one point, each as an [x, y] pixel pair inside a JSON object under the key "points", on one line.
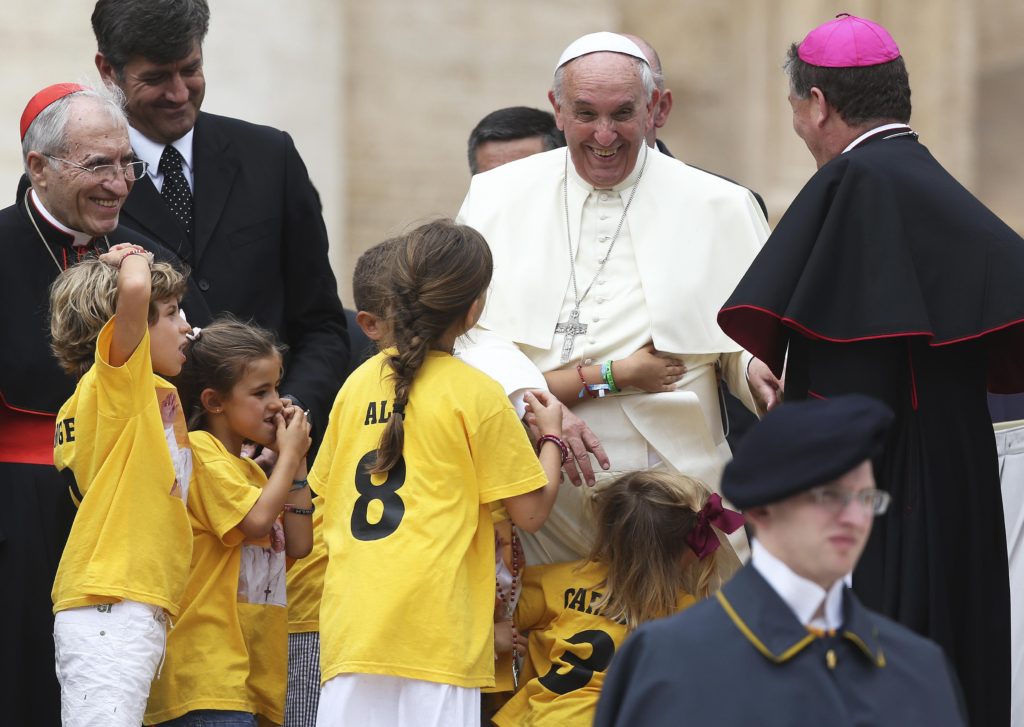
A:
{"points": [[84, 297]]}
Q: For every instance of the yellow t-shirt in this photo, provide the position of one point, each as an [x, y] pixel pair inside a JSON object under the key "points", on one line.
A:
{"points": [[306, 579], [409, 588], [128, 449], [222, 654], [570, 646]]}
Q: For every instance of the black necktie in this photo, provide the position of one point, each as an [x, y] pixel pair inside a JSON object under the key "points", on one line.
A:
{"points": [[175, 191]]}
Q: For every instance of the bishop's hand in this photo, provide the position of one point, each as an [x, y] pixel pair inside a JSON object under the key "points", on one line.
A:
{"points": [[766, 388]]}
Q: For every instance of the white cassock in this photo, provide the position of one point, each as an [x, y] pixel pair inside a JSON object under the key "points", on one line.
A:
{"points": [[687, 239]]}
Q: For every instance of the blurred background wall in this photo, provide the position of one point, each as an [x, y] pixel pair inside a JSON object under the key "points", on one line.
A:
{"points": [[380, 96]]}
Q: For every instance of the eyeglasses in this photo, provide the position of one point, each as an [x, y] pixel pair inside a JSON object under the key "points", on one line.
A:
{"points": [[108, 172], [876, 501]]}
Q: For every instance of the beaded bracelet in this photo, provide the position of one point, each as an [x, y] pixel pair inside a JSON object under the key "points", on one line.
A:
{"points": [[296, 510], [558, 441], [606, 374], [299, 485], [129, 254]]}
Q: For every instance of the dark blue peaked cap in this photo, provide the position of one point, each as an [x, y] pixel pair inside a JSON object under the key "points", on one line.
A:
{"points": [[802, 445]]}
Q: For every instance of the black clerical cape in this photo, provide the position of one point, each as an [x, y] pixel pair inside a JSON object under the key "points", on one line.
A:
{"points": [[35, 508], [886, 277], [742, 658]]}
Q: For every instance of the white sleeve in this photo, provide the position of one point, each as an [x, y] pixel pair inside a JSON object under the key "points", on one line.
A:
{"points": [[502, 360]]}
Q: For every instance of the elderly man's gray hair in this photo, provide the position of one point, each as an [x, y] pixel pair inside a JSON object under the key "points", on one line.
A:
{"points": [[48, 132], [643, 71]]}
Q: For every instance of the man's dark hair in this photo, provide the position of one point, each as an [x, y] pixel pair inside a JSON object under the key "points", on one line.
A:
{"points": [[515, 122], [161, 31], [860, 95]]}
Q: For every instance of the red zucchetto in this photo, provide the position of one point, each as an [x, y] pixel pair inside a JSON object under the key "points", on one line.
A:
{"points": [[43, 99]]}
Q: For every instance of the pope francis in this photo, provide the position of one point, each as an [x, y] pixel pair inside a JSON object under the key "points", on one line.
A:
{"points": [[611, 261]]}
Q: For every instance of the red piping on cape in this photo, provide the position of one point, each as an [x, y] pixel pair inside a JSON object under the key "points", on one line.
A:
{"points": [[913, 378], [814, 334], [3, 402]]}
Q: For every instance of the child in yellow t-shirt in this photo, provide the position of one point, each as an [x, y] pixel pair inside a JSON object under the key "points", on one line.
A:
{"points": [[115, 323], [417, 445], [657, 541], [306, 578], [227, 654]]}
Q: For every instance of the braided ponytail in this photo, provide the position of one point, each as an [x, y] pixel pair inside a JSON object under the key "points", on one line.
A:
{"points": [[439, 270]]}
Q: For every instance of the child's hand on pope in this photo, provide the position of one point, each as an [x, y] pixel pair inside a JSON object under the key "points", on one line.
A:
{"points": [[649, 370], [546, 411]]}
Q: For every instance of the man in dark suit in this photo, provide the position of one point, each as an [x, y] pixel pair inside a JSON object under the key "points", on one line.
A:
{"points": [[233, 199], [786, 642]]}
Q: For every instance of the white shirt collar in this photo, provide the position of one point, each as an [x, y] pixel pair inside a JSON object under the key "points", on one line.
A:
{"points": [[871, 132], [624, 184], [79, 238], [801, 595], [150, 151]]}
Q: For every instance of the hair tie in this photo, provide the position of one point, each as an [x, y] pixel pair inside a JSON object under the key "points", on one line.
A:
{"points": [[194, 334], [702, 539], [398, 409]]}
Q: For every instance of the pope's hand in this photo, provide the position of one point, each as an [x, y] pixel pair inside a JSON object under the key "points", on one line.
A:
{"points": [[580, 439], [765, 387]]}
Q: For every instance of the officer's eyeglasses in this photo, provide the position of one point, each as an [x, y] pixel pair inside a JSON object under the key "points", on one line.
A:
{"points": [[108, 172], [835, 501]]}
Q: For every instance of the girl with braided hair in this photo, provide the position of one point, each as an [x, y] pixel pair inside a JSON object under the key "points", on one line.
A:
{"points": [[417, 447]]}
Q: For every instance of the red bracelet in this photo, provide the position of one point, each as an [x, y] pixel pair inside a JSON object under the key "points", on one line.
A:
{"points": [[586, 387], [557, 440], [128, 255]]}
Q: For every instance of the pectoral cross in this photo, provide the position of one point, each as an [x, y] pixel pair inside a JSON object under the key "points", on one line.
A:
{"points": [[571, 329]]}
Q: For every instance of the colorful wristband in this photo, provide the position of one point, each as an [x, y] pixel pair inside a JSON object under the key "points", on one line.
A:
{"points": [[606, 374], [296, 510]]}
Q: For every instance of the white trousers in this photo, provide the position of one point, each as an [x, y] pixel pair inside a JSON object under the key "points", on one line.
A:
{"points": [[372, 700], [106, 657], [1010, 444]]}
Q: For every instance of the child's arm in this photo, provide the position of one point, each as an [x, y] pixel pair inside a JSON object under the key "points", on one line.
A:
{"points": [[292, 443], [644, 369], [530, 510], [133, 290], [298, 527]]}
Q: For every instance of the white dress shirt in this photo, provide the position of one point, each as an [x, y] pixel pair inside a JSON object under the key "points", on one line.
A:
{"points": [[803, 597], [150, 151]]}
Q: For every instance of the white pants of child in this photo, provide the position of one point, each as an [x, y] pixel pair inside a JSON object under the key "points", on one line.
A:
{"points": [[106, 657], [369, 700]]}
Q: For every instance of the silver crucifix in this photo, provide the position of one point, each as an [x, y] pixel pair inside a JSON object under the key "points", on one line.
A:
{"points": [[571, 329]]}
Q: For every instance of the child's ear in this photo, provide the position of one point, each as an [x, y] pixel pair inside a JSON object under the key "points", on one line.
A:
{"points": [[212, 401], [475, 311], [370, 325]]}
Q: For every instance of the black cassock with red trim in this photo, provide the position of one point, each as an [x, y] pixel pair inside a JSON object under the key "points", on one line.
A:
{"points": [[886, 277]]}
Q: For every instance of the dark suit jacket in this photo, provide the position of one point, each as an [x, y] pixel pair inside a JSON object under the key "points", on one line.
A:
{"points": [[742, 658], [760, 201], [259, 248]]}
